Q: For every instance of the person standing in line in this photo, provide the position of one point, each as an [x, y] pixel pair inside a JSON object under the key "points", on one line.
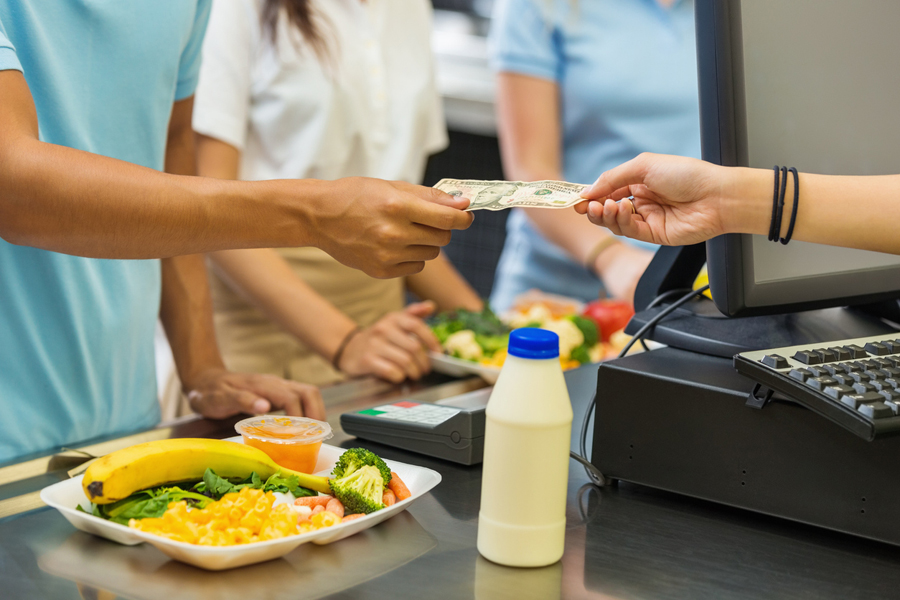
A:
{"points": [[582, 86], [321, 89], [95, 101]]}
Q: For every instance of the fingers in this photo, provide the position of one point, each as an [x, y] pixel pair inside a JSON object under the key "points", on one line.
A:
{"points": [[437, 215], [421, 309], [434, 195], [626, 174], [417, 327], [225, 403], [311, 402], [385, 369], [413, 348]]}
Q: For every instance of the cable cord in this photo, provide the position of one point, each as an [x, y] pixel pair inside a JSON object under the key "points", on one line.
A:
{"points": [[593, 472]]}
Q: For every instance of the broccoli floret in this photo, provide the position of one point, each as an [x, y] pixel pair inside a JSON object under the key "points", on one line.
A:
{"points": [[361, 491], [492, 343], [580, 353], [355, 458], [588, 330]]}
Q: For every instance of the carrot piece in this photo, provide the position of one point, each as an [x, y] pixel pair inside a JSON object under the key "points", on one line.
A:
{"points": [[352, 517], [313, 501], [318, 509], [334, 506], [398, 487], [389, 498]]}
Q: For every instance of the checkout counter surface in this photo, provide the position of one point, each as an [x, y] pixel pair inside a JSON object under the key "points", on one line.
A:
{"points": [[623, 542]]}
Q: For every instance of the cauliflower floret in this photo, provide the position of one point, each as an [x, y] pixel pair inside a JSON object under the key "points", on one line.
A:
{"points": [[570, 337], [538, 313], [463, 344]]}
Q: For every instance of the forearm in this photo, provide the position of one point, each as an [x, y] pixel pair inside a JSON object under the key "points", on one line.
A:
{"points": [[186, 315], [853, 212], [266, 280], [440, 282]]}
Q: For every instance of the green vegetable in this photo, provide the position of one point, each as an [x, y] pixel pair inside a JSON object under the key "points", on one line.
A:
{"points": [[361, 491], [581, 354], [492, 343], [484, 323], [356, 458], [216, 487], [588, 329], [146, 504]]}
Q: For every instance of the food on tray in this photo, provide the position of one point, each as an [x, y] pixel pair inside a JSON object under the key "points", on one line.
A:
{"points": [[292, 442], [151, 464], [483, 337], [241, 507], [610, 316]]}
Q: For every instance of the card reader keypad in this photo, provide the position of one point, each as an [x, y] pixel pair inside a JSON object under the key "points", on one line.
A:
{"points": [[856, 383]]}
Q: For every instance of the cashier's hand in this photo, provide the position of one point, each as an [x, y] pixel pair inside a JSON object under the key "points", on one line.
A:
{"points": [[386, 228], [217, 393], [395, 347], [677, 200]]}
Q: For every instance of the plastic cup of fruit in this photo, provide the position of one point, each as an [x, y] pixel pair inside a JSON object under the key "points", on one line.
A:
{"points": [[292, 442]]}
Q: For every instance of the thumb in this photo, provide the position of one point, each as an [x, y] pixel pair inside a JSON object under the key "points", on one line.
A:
{"points": [[629, 173], [421, 309], [436, 196]]}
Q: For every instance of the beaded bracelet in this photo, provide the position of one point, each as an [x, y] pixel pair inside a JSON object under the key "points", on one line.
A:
{"points": [[781, 174]]}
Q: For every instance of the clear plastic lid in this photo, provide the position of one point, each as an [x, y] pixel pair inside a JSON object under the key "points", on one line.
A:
{"points": [[284, 430]]}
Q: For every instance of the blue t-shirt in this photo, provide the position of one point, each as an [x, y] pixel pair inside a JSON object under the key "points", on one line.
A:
{"points": [[76, 334], [627, 74]]}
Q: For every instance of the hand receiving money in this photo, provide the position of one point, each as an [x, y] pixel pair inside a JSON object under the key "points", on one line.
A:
{"points": [[500, 195]]}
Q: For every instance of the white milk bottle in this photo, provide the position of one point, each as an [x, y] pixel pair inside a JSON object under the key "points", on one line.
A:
{"points": [[522, 522]]}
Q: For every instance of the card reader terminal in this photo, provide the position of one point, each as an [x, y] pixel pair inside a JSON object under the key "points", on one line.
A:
{"points": [[452, 429]]}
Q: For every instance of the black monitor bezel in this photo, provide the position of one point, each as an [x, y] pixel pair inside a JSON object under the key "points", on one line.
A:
{"points": [[723, 138]]}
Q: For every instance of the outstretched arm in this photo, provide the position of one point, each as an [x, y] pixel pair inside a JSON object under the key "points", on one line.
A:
{"points": [[685, 201], [75, 202]]}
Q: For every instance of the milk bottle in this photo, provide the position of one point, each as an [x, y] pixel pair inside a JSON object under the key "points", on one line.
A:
{"points": [[522, 522]]}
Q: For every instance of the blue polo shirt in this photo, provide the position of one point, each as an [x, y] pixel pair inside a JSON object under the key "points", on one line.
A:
{"points": [[76, 334], [627, 75]]}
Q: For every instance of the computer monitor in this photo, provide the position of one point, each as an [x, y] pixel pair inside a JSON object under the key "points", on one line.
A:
{"points": [[812, 84]]}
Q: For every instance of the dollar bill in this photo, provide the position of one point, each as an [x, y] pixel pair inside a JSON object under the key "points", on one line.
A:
{"points": [[500, 195]]}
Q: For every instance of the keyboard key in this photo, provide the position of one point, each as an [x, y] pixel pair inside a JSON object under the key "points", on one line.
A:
{"points": [[892, 345], [883, 363], [819, 371], [854, 401], [860, 377], [820, 383], [826, 354], [776, 361], [874, 374], [877, 348], [894, 406], [880, 385], [807, 357], [860, 387], [890, 394], [843, 379], [800, 374], [852, 367], [870, 364], [837, 391], [856, 351], [843, 353], [835, 369], [891, 372], [893, 381], [876, 410]]}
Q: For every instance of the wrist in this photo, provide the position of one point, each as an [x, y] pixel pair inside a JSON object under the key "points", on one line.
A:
{"points": [[608, 256], [746, 200]]}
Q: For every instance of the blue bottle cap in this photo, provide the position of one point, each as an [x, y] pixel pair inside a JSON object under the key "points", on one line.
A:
{"points": [[530, 342]]}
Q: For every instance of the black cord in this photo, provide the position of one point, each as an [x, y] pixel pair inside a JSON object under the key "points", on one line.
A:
{"points": [[592, 472]]}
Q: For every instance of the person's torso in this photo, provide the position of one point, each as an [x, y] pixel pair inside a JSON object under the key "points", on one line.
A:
{"points": [[77, 333], [367, 109]]}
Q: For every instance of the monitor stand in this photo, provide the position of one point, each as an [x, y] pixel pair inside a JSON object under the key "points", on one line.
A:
{"points": [[698, 326]]}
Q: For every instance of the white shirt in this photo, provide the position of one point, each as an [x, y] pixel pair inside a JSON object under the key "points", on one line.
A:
{"points": [[370, 109]]}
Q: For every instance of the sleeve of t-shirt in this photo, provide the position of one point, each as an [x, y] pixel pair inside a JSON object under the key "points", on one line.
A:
{"points": [[222, 100], [8, 58], [189, 67], [524, 40]]}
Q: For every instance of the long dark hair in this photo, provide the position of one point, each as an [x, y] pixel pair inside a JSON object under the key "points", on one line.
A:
{"points": [[301, 15]]}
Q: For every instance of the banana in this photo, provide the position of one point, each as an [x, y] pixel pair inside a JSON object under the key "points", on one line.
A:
{"points": [[124, 472]]}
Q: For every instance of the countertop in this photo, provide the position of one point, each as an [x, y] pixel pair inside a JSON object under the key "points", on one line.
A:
{"points": [[623, 542]]}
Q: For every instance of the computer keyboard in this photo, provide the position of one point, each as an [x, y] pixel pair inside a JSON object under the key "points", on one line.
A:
{"points": [[855, 383]]}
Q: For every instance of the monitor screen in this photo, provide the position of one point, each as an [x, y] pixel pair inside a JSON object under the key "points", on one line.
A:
{"points": [[809, 84]]}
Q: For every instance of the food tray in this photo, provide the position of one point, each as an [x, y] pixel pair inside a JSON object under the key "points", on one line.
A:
{"points": [[65, 496], [457, 367]]}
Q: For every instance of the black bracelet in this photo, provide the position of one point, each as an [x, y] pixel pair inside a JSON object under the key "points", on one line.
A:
{"points": [[790, 230], [336, 361], [780, 209], [774, 233]]}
